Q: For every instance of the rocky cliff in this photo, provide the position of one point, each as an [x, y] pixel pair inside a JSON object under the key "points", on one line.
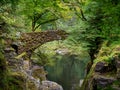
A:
{"points": [[105, 71], [23, 74]]}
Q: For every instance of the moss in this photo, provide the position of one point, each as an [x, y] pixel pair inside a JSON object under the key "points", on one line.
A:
{"points": [[106, 88], [31, 86], [16, 81], [106, 54], [3, 72], [39, 73], [117, 82]]}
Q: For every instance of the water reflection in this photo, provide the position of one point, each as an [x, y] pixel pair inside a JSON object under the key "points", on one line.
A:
{"points": [[67, 71]]}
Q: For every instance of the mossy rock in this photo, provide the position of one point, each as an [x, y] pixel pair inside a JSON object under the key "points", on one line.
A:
{"points": [[16, 81], [108, 66], [31, 86], [39, 72]]}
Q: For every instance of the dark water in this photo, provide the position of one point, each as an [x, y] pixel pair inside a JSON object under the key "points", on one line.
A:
{"points": [[67, 71]]}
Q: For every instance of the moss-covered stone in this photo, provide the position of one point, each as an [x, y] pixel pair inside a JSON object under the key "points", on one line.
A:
{"points": [[30, 85], [105, 65], [16, 81], [39, 72]]}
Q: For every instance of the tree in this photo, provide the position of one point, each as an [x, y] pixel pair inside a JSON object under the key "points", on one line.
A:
{"points": [[103, 24], [76, 6], [100, 24], [44, 11]]}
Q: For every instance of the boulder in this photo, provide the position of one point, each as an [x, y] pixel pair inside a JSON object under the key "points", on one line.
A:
{"points": [[39, 72], [117, 64], [115, 87], [102, 81], [100, 67], [104, 67], [50, 85], [13, 64], [118, 73]]}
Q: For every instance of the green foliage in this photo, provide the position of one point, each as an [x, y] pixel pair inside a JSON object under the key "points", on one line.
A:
{"points": [[15, 81], [12, 2], [104, 18], [42, 12], [88, 22], [107, 53], [3, 67], [10, 20], [40, 58]]}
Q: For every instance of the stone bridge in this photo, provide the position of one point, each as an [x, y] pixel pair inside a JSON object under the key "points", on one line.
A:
{"points": [[28, 42]]}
